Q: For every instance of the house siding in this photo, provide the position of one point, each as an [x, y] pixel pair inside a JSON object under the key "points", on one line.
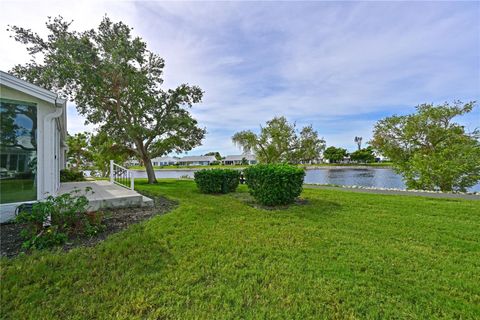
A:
{"points": [[48, 162]]}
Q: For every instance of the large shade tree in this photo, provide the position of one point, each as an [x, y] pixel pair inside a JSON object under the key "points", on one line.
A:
{"points": [[279, 141], [429, 149], [115, 82]]}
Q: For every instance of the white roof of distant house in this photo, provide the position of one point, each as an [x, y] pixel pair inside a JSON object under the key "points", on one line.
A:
{"points": [[165, 159], [240, 157], [198, 158]]}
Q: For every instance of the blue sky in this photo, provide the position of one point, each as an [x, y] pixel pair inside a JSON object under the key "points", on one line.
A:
{"points": [[339, 66]]}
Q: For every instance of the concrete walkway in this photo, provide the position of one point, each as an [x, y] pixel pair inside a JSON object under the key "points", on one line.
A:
{"points": [[398, 192]]}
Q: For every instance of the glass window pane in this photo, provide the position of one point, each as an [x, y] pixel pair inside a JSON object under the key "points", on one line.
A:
{"points": [[21, 163], [3, 160], [12, 165], [18, 149]]}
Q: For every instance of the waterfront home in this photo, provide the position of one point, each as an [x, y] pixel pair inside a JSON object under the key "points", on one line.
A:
{"points": [[245, 159], [197, 160], [164, 161], [32, 142]]}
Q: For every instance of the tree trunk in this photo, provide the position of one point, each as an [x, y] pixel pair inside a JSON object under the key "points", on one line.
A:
{"points": [[146, 161], [150, 172]]}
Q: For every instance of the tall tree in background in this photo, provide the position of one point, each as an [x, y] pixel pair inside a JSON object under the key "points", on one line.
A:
{"points": [[430, 150], [358, 141], [115, 83], [279, 141]]}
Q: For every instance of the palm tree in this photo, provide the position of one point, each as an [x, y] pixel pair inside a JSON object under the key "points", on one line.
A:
{"points": [[358, 141]]}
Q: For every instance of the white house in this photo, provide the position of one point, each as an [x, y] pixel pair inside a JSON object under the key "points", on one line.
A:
{"points": [[239, 159], [164, 161], [196, 160], [32, 142]]}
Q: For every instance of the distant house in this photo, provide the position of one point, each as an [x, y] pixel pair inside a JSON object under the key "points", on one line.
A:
{"points": [[318, 160], [196, 160], [164, 161], [132, 162], [239, 159], [32, 142], [380, 158]]}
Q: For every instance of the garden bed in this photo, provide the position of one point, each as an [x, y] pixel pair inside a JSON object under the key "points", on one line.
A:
{"points": [[115, 220]]}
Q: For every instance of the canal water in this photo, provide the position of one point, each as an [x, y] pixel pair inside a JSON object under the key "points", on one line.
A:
{"points": [[349, 176]]}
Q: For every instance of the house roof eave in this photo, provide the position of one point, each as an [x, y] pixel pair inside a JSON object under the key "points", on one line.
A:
{"points": [[31, 89]]}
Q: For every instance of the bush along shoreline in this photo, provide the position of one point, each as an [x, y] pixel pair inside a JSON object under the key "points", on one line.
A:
{"points": [[274, 184], [217, 181]]}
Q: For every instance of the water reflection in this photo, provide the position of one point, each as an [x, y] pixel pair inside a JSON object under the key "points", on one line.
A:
{"points": [[366, 177]]}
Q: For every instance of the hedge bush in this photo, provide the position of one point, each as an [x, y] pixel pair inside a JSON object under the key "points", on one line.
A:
{"points": [[217, 180], [274, 184], [67, 175]]}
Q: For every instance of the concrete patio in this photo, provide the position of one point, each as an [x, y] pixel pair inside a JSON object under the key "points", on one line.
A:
{"points": [[105, 194]]}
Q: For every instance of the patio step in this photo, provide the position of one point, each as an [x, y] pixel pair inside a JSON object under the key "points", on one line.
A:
{"points": [[147, 202], [107, 195]]}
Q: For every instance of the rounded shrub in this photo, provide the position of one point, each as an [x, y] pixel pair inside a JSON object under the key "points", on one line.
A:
{"points": [[274, 184], [217, 180]]}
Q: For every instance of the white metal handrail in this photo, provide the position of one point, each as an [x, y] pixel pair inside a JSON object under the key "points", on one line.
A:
{"points": [[121, 176]]}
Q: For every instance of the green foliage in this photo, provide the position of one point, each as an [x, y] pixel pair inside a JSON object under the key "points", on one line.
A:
{"points": [[104, 148], [364, 155], [344, 255], [78, 154], [217, 180], [334, 154], [115, 83], [46, 238], [64, 215], [67, 175], [279, 142], [430, 150], [273, 184]]}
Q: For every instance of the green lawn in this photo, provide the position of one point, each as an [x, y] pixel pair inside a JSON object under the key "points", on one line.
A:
{"points": [[341, 255]]}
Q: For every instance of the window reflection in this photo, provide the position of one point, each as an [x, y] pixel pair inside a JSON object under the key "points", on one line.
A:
{"points": [[18, 149]]}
